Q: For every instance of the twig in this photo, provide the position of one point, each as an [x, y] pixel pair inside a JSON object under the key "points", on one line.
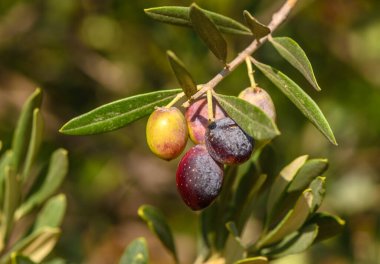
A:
{"points": [[277, 19]]}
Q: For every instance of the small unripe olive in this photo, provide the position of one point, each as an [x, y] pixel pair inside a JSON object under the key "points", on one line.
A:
{"points": [[197, 118], [166, 132], [260, 98]]}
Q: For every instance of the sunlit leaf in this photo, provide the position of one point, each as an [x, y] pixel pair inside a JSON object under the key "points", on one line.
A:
{"points": [[117, 114], [208, 32], [308, 172], [22, 131], [157, 223], [329, 225], [318, 190], [51, 215], [5, 161], [299, 98], [179, 15], [294, 54], [19, 259], [254, 260], [56, 173], [258, 29], [184, 78], [136, 252], [249, 117]]}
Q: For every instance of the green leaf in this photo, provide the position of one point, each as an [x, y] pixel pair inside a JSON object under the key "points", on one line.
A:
{"points": [[117, 114], [282, 182], [179, 15], [294, 54], [136, 252], [293, 244], [36, 246], [208, 32], [255, 260], [56, 173], [11, 201], [299, 98], [51, 215], [249, 117], [34, 143], [19, 259], [258, 30], [318, 190], [157, 223], [1, 145], [294, 219], [22, 131], [184, 78], [329, 225], [308, 172], [234, 232], [5, 161]]}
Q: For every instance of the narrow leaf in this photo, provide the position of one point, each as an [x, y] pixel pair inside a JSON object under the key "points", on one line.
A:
{"points": [[329, 225], [118, 114], [51, 215], [234, 232], [184, 78], [157, 223], [255, 260], [22, 131], [34, 142], [249, 117], [179, 15], [258, 30], [309, 171], [318, 190], [291, 222], [1, 145], [294, 54], [56, 173], [136, 252], [208, 32], [299, 98], [282, 182], [5, 161], [19, 259], [296, 243]]}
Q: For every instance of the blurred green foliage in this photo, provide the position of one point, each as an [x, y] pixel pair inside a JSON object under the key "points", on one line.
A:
{"points": [[88, 52]]}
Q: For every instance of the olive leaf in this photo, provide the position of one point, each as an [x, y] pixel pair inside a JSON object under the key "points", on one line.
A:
{"points": [[329, 225], [254, 260], [234, 232], [51, 215], [294, 54], [208, 32], [136, 252], [157, 223], [258, 30], [249, 117], [299, 98], [184, 78], [118, 114], [179, 15], [20, 259]]}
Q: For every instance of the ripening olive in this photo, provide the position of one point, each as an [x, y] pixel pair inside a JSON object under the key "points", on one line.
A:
{"points": [[260, 98]]}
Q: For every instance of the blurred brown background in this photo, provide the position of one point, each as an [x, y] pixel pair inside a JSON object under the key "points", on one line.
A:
{"points": [[84, 53]]}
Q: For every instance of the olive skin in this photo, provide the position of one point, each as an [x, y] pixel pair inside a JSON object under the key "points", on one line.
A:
{"points": [[199, 178], [166, 132], [197, 118], [260, 98], [227, 143]]}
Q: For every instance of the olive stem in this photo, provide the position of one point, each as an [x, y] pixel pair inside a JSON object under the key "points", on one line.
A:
{"points": [[175, 100], [209, 106], [250, 73], [277, 19]]}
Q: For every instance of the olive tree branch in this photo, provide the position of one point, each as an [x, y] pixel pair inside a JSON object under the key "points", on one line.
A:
{"points": [[277, 19]]}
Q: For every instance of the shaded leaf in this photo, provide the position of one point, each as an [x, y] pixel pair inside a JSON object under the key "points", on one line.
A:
{"points": [[117, 114], [208, 32], [184, 78], [294, 54], [34, 142], [179, 15], [56, 173], [136, 252], [329, 225], [282, 182], [1, 145], [22, 131], [308, 172], [19, 259], [294, 243], [299, 98], [318, 189], [5, 161], [258, 29], [255, 260], [157, 223], [51, 215], [295, 218], [249, 117], [234, 232]]}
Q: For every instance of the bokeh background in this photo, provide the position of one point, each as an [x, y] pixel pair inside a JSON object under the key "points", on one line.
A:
{"points": [[84, 53]]}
